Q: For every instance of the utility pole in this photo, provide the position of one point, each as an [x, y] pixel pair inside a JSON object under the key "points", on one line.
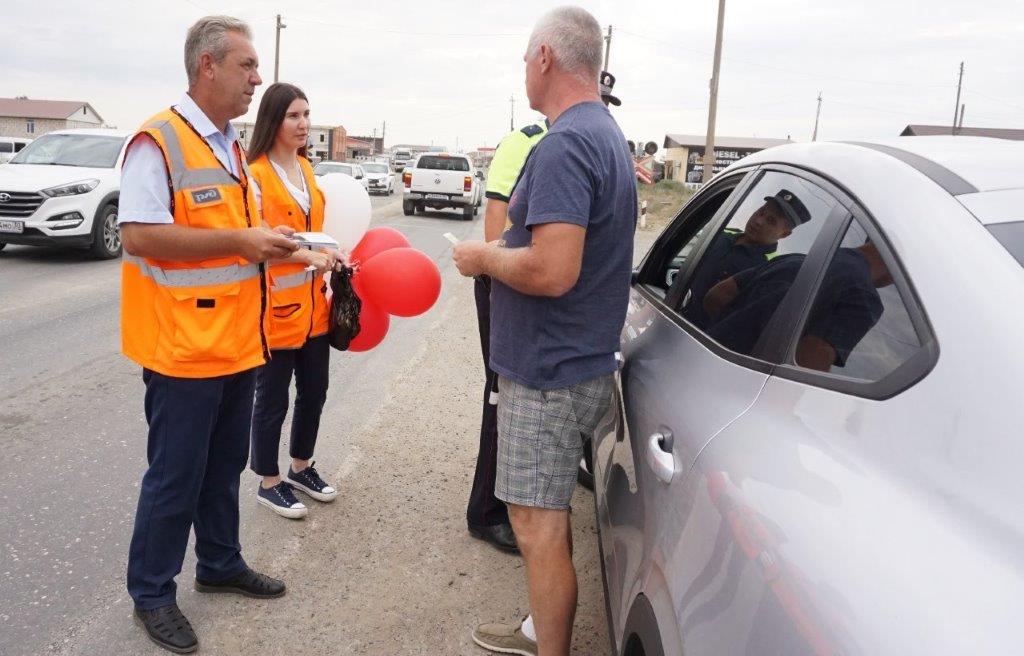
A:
{"points": [[960, 123], [709, 147], [956, 107], [373, 144], [512, 113], [277, 46], [607, 46], [814, 137]]}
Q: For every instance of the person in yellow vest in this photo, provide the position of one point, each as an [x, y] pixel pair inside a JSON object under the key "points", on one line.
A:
{"points": [[486, 514], [298, 305], [194, 316]]}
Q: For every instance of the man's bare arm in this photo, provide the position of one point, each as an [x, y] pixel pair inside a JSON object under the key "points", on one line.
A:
{"points": [[168, 241], [815, 353], [495, 218], [550, 266]]}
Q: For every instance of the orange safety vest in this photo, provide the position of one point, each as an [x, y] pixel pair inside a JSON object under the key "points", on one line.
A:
{"points": [[196, 319], [298, 302]]}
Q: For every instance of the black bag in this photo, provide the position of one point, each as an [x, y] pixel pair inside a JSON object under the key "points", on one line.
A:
{"points": [[345, 308]]}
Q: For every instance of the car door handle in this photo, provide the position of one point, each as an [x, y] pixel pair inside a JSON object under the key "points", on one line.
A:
{"points": [[659, 456]]}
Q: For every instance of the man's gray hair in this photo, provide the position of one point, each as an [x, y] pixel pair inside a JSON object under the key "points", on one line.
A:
{"points": [[574, 37], [210, 34]]}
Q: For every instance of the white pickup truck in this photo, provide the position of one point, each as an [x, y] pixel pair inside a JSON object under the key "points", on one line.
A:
{"points": [[441, 181]]}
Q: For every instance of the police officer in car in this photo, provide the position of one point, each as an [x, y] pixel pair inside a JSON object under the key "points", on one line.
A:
{"points": [[733, 250]]}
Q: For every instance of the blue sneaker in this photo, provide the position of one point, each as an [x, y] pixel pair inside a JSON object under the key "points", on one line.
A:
{"points": [[309, 481], [281, 499]]}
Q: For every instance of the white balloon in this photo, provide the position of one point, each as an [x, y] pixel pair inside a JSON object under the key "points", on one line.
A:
{"points": [[347, 212]]}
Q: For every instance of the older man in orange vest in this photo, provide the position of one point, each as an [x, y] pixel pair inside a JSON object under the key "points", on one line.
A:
{"points": [[193, 315]]}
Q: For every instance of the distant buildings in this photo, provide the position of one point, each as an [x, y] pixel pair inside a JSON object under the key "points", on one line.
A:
{"points": [[931, 130], [27, 118], [684, 153]]}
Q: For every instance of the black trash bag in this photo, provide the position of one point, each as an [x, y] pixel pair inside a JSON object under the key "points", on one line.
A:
{"points": [[345, 308]]}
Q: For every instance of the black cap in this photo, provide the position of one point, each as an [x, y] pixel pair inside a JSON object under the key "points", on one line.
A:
{"points": [[607, 82], [791, 206]]}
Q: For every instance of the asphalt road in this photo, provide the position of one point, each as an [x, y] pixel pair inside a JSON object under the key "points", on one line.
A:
{"points": [[386, 569]]}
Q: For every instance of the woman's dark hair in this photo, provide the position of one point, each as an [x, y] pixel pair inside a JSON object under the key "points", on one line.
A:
{"points": [[273, 106]]}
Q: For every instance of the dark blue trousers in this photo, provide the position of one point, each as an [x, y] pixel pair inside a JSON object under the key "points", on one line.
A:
{"points": [[310, 366], [485, 509], [198, 444]]}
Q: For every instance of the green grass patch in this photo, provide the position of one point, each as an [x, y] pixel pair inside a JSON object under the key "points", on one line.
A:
{"points": [[663, 201]]}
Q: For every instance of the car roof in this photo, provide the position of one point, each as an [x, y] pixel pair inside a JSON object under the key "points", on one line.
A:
{"points": [[96, 132], [986, 163], [961, 165]]}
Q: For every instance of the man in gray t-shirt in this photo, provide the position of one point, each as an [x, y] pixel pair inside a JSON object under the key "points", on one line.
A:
{"points": [[560, 289]]}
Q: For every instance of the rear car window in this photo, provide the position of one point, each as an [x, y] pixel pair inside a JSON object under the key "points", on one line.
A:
{"points": [[436, 163], [6, 147], [1011, 236], [859, 326]]}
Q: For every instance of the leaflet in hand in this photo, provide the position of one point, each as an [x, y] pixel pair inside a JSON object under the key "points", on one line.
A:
{"points": [[315, 240]]}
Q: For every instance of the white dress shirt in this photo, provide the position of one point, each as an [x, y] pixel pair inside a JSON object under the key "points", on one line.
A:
{"points": [[145, 197]]}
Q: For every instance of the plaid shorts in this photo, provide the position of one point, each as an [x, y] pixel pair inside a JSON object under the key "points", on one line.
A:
{"points": [[540, 439]]}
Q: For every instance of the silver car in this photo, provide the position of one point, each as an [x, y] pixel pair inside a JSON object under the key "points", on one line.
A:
{"points": [[821, 453]]}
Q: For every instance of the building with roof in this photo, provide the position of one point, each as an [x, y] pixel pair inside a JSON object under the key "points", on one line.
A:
{"points": [[28, 118], [684, 153], [376, 143], [933, 130], [320, 138]]}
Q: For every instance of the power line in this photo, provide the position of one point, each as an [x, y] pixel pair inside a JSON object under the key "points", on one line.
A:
{"points": [[791, 71], [408, 33], [998, 100]]}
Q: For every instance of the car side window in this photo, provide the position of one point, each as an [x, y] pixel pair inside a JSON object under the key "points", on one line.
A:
{"points": [[751, 262], [685, 235], [859, 326]]}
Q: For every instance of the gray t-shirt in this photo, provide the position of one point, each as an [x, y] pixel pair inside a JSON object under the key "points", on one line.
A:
{"points": [[580, 173]]}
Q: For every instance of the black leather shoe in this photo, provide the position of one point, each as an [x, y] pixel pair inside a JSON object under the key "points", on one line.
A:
{"points": [[500, 535], [167, 627], [249, 583]]}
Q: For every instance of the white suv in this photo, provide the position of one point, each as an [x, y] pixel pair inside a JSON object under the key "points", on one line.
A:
{"points": [[62, 189]]}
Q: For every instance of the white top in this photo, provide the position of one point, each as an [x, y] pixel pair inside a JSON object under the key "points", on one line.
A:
{"points": [[145, 197], [300, 194]]}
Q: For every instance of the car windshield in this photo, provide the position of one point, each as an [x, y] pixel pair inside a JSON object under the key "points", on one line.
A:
{"points": [[375, 168], [323, 169], [94, 151], [440, 163]]}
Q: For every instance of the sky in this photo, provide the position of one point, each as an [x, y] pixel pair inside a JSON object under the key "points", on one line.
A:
{"points": [[442, 72]]}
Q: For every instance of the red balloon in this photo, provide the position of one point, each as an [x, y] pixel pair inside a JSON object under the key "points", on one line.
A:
{"points": [[377, 240], [401, 281], [373, 326]]}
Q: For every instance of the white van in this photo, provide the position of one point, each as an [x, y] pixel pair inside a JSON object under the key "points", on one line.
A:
{"points": [[11, 146]]}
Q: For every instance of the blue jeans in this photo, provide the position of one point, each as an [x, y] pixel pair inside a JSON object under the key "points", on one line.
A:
{"points": [[198, 439], [310, 366]]}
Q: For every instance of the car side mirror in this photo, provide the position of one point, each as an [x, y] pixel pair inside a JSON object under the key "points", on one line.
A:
{"points": [[480, 175], [634, 276], [359, 177]]}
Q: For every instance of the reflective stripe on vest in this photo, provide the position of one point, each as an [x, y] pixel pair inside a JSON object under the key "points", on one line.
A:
{"points": [[194, 277], [182, 177], [292, 280]]}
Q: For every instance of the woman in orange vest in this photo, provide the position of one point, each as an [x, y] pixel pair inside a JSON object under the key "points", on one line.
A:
{"points": [[299, 309]]}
